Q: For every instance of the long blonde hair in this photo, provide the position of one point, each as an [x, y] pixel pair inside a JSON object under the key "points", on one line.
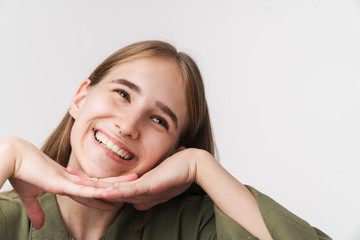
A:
{"points": [[198, 133]]}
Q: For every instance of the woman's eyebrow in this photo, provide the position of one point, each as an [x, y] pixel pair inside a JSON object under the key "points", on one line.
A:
{"points": [[168, 112], [127, 83]]}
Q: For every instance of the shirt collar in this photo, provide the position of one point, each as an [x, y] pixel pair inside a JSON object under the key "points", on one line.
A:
{"points": [[124, 226]]}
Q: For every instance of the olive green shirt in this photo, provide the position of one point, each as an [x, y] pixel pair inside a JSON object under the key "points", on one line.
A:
{"points": [[185, 217]]}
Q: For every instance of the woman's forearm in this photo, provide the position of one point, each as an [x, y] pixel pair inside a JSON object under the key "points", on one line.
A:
{"points": [[7, 159], [229, 195]]}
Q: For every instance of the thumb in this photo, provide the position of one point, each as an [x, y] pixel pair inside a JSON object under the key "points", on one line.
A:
{"points": [[34, 211]]}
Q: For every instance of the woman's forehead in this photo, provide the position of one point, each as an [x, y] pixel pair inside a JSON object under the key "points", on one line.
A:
{"points": [[149, 71]]}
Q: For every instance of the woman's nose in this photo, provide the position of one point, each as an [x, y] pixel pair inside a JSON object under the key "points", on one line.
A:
{"points": [[128, 127]]}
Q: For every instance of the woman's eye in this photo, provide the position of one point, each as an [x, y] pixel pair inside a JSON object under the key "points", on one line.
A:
{"points": [[123, 94], [160, 121]]}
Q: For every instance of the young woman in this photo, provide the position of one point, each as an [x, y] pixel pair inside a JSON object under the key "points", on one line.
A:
{"points": [[137, 137]]}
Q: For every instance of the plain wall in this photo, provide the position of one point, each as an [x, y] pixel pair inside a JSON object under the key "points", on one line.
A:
{"points": [[282, 81]]}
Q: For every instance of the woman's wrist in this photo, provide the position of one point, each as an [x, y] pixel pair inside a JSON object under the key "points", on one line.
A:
{"points": [[204, 162], [8, 151]]}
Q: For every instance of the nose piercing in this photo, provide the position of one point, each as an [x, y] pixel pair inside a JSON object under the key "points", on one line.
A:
{"points": [[124, 135]]}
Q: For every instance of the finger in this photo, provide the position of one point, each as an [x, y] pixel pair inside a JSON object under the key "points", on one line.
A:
{"points": [[125, 190], [96, 183], [76, 172], [85, 180], [34, 211], [123, 178], [104, 182], [69, 187], [94, 203]]}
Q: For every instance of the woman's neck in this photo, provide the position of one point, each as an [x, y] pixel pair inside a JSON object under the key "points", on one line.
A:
{"points": [[84, 222]]}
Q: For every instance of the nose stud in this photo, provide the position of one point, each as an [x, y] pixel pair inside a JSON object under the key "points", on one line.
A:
{"points": [[124, 135]]}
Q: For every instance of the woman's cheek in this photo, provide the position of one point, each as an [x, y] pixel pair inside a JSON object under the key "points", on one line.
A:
{"points": [[101, 108], [163, 147]]}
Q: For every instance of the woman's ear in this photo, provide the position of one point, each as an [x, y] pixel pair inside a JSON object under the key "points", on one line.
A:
{"points": [[79, 98]]}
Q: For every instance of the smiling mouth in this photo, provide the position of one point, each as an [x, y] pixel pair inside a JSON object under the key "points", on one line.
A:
{"points": [[107, 143]]}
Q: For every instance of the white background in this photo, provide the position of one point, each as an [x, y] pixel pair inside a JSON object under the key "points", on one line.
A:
{"points": [[282, 80]]}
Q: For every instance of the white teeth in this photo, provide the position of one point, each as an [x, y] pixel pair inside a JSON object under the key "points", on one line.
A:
{"points": [[115, 148], [103, 140], [120, 152], [109, 145]]}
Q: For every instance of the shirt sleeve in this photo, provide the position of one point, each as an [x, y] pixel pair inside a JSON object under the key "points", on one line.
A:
{"points": [[226, 228], [281, 223]]}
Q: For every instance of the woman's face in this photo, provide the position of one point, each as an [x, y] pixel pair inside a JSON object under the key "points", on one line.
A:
{"points": [[144, 99]]}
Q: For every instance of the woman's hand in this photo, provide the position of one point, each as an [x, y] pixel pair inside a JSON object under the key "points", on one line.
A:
{"points": [[31, 173], [176, 173], [169, 179]]}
